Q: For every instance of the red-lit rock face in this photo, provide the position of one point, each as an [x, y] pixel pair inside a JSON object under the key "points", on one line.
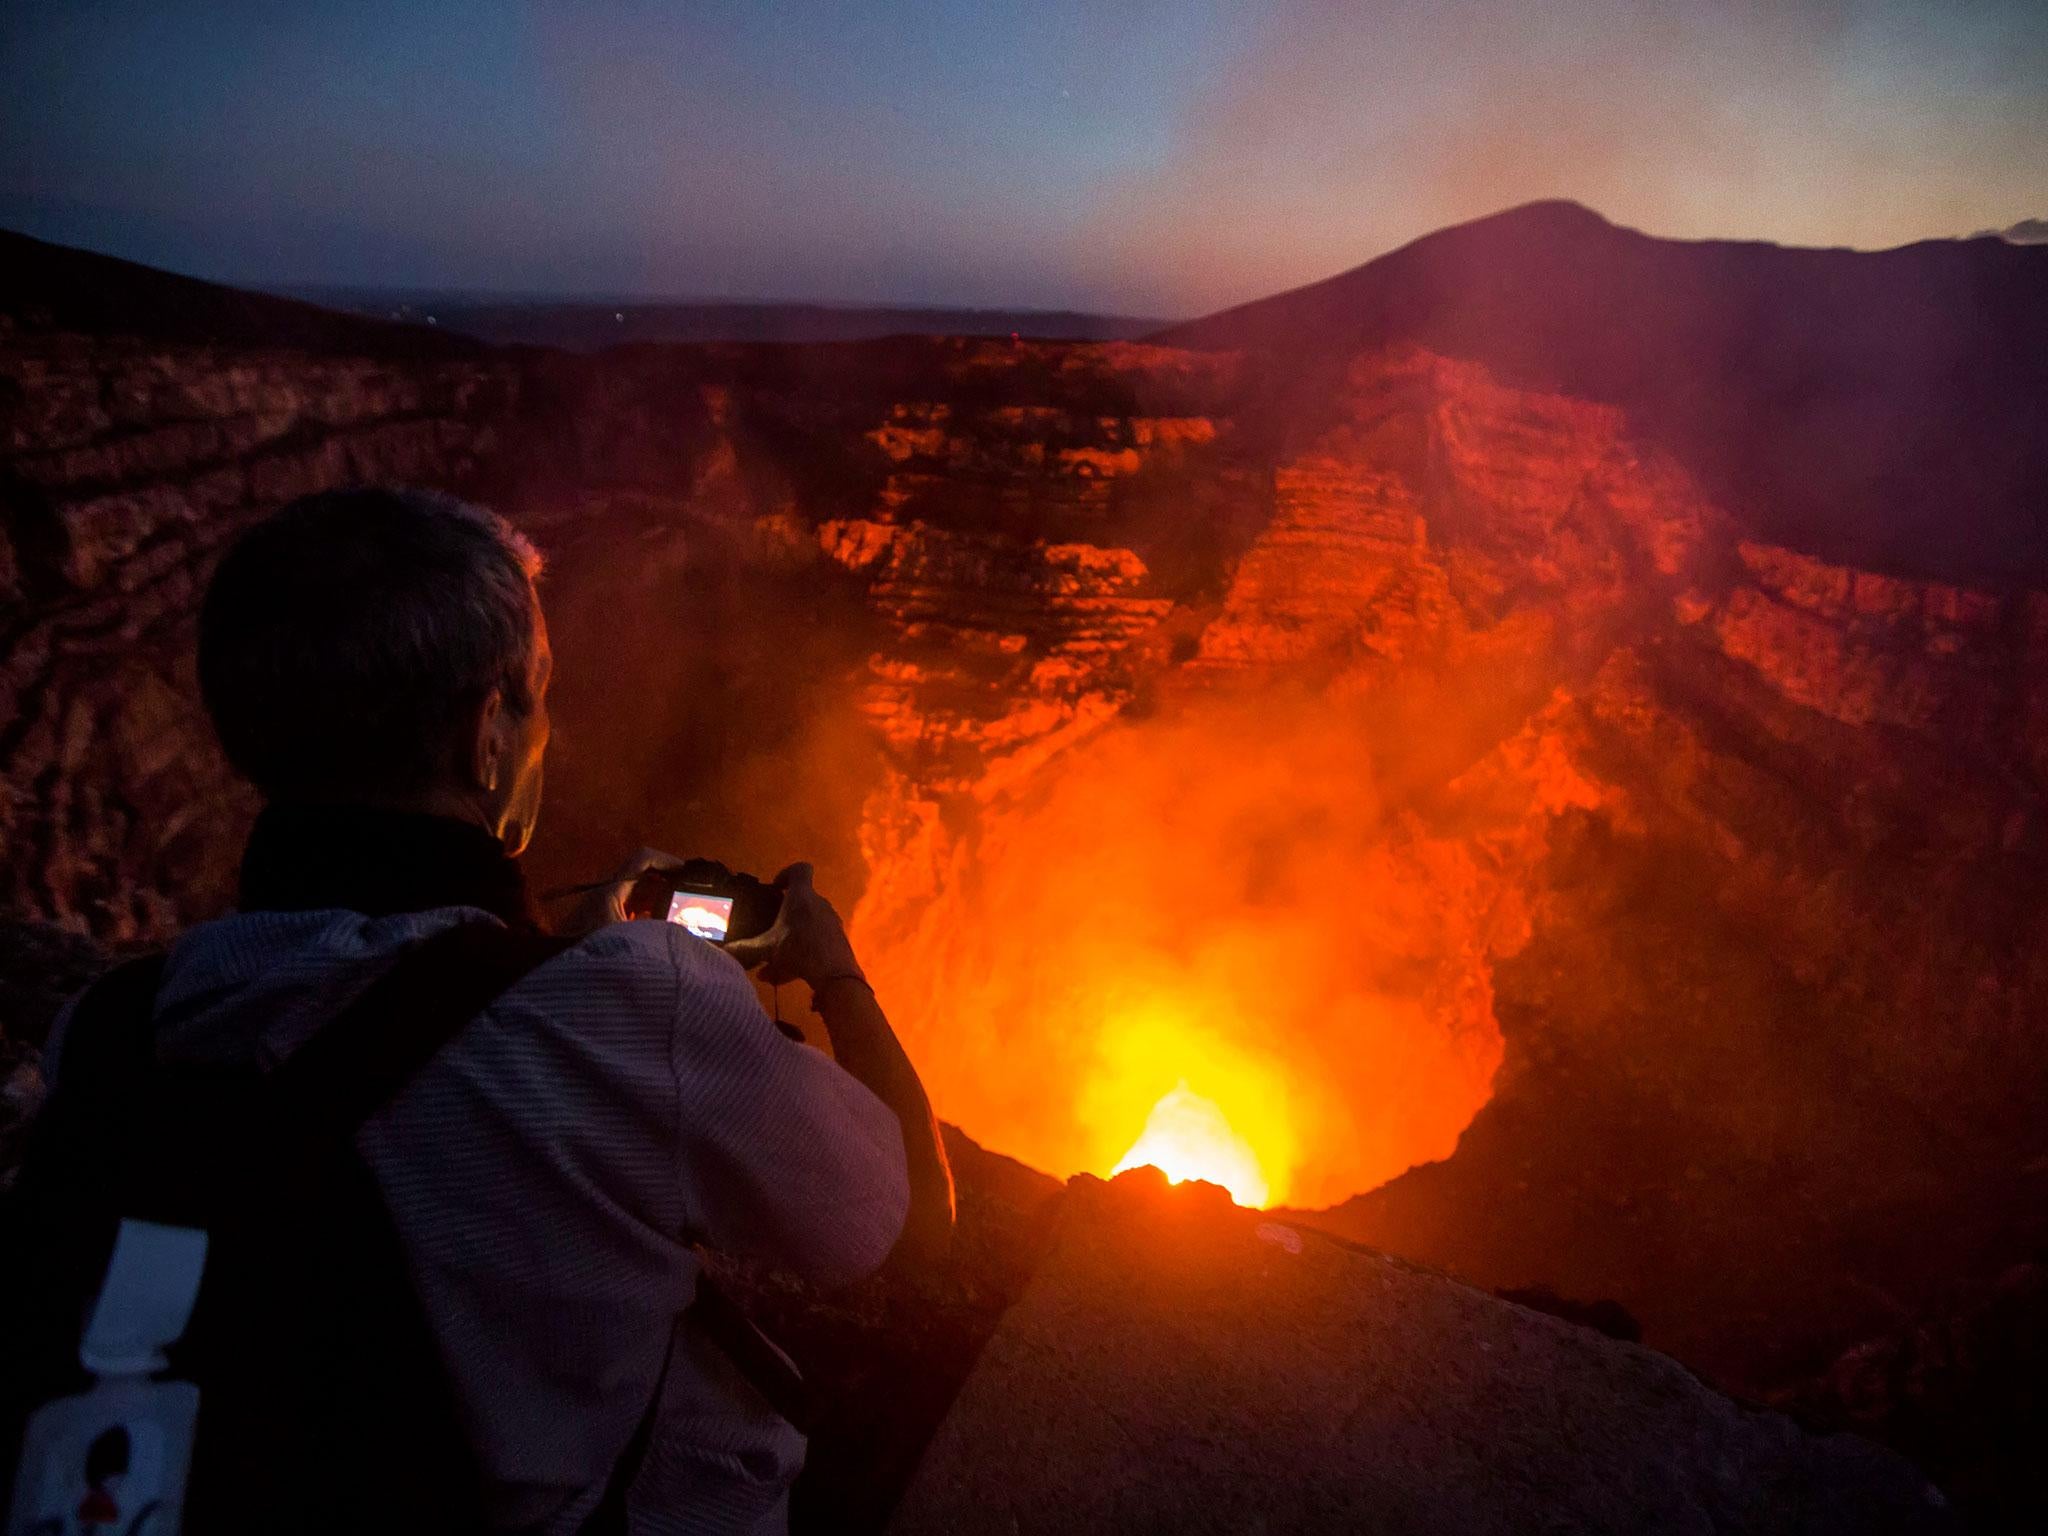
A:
{"points": [[1285, 880], [124, 469]]}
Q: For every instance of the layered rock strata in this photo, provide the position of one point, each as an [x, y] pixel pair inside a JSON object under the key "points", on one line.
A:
{"points": [[124, 468]]}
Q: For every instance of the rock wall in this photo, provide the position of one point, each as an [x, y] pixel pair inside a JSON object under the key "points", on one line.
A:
{"points": [[124, 468]]}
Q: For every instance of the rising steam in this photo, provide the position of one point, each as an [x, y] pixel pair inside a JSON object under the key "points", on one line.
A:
{"points": [[1221, 903]]}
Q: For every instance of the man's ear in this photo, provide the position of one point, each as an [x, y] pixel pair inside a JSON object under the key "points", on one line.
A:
{"points": [[487, 748]]}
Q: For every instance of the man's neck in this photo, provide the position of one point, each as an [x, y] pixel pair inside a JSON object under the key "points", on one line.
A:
{"points": [[378, 860], [444, 801]]}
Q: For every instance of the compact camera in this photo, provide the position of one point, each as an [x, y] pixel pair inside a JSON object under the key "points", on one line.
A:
{"points": [[707, 899]]}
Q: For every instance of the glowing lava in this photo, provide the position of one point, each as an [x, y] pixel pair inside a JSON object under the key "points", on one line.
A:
{"points": [[1187, 1137], [1219, 894]]}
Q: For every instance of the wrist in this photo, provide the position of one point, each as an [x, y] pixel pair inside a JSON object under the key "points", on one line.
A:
{"points": [[837, 980]]}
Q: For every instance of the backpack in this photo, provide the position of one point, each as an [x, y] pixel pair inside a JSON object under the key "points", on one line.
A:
{"points": [[324, 1405]]}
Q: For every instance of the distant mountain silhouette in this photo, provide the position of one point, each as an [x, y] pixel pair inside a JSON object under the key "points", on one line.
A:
{"points": [[57, 287], [588, 325], [65, 288], [1887, 409], [2025, 232]]}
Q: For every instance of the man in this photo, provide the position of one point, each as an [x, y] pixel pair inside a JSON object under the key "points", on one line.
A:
{"points": [[375, 662]]}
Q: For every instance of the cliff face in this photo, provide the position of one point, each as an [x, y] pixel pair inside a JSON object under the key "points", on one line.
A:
{"points": [[1294, 764], [1476, 810], [124, 468]]}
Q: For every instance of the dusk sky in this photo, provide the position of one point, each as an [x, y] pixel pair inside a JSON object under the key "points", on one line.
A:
{"points": [[1150, 158]]}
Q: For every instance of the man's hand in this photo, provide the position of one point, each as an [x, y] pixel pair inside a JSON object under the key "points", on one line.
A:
{"points": [[807, 942], [607, 904]]}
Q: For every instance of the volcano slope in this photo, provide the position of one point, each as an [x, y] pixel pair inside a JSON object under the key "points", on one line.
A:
{"points": [[1583, 771]]}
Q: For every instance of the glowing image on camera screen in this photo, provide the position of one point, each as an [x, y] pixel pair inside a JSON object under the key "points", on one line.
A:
{"points": [[708, 917]]}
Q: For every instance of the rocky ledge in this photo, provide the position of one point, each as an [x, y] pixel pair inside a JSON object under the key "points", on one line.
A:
{"points": [[1178, 1364]]}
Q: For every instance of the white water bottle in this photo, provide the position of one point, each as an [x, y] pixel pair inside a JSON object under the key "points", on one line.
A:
{"points": [[112, 1460]]}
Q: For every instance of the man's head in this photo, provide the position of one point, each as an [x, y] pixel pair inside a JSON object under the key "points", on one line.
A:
{"points": [[382, 647]]}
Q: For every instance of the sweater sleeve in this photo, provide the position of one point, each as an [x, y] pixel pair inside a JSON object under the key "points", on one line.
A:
{"points": [[784, 1156]]}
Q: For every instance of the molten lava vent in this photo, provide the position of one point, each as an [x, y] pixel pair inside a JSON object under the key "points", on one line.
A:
{"points": [[1187, 1137]]}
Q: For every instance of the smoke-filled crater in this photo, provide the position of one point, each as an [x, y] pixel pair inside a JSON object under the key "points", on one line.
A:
{"points": [[1205, 941]]}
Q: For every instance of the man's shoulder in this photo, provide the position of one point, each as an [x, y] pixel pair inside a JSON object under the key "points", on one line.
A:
{"points": [[662, 954], [640, 982]]}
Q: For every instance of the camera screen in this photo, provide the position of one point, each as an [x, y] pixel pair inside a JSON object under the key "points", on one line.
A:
{"points": [[708, 917]]}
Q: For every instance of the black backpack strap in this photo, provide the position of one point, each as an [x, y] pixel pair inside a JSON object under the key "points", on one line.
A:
{"points": [[111, 1030], [360, 1059], [780, 1384]]}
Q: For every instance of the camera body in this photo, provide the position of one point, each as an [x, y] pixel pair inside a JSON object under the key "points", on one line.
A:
{"points": [[707, 899]]}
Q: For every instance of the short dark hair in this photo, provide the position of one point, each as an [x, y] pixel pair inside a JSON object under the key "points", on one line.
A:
{"points": [[345, 639]]}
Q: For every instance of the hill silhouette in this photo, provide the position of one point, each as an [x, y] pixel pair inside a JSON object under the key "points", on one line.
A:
{"points": [[58, 287], [1887, 409]]}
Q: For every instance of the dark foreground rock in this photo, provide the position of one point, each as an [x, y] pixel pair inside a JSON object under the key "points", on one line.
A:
{"points": [[1177, 1364], [1960, 1390]]}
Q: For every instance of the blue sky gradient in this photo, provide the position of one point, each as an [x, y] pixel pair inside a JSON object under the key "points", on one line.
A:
{"points": [[1122, 155]]}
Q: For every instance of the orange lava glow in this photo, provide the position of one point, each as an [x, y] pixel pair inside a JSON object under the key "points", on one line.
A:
{"points": [[1169, 1090], [1213, 942], [1187, 1137]]}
